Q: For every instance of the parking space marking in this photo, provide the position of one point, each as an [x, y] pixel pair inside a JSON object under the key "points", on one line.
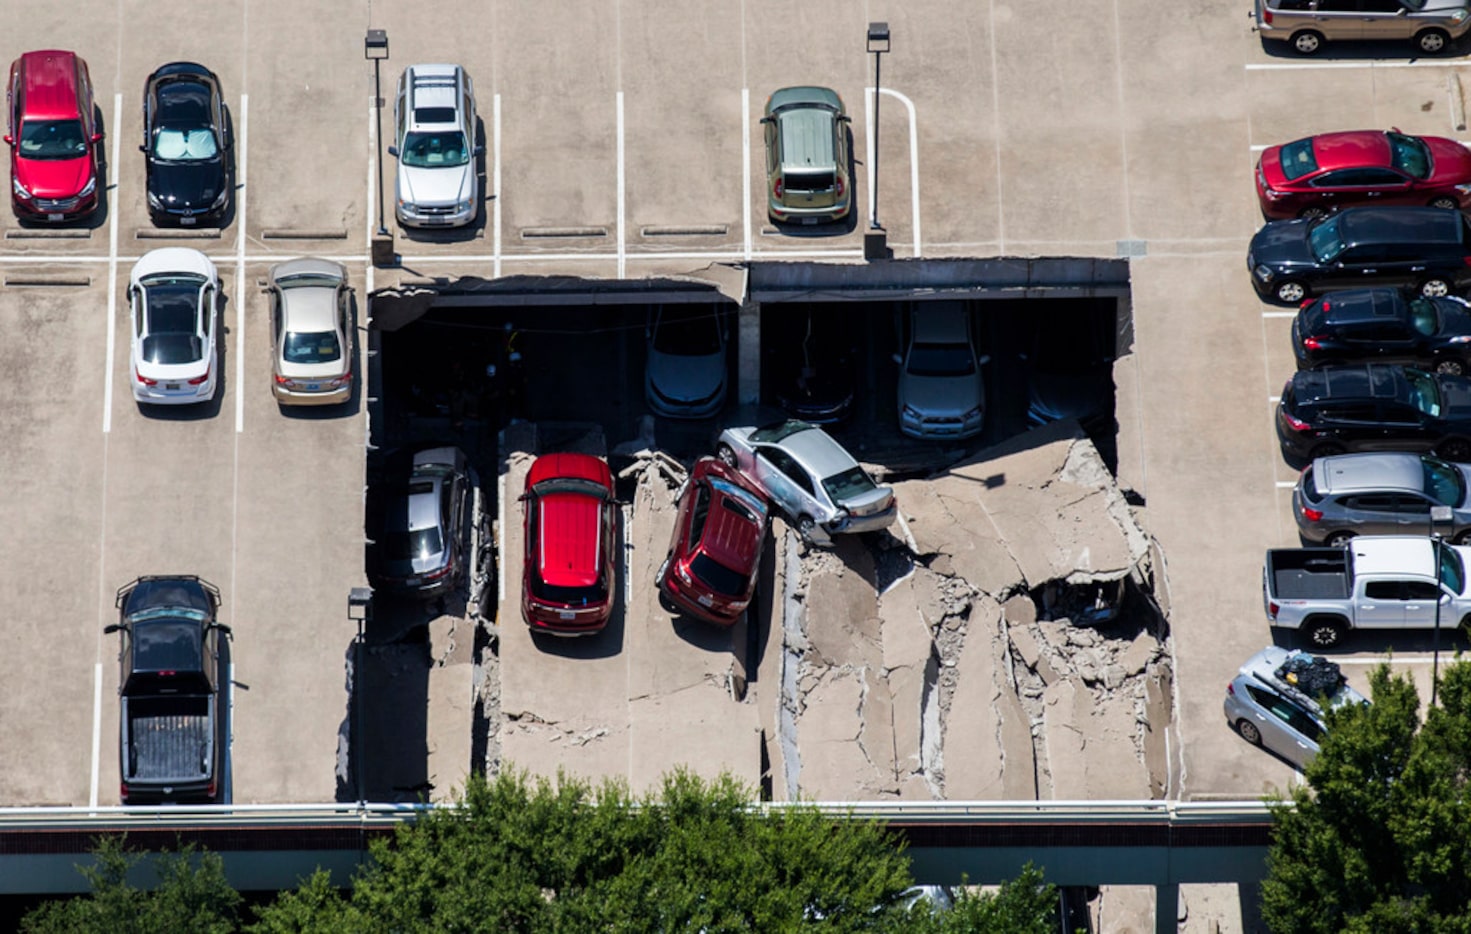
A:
{"points": [[242, 196], [112, 212], [500, 536], [1396, 660], [746, 168], [1286, 484], [1257, 148], [372, 180], [96, 724], [1279, 314], [495, 180], [913, 160], [621, 189]]}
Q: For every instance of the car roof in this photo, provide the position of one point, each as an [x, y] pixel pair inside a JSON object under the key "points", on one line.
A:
{"points": [[940, 323], [732, 532], [1417, 224], [1262, 667], [51, 91], [569, 465], [1357, 306], [433, 87], [1366, 381], [1374, 472], [1392, 554], [1351, 149], [818, 452]]}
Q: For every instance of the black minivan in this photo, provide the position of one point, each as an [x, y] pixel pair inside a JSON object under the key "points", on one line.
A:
{"points": [[1424, 248]]}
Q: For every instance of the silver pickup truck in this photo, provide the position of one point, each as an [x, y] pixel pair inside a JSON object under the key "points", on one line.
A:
{"points": [[1373, 582]]}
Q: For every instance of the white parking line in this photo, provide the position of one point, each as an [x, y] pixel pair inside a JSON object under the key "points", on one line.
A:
{"points": [[495, 180], [500, 536], [621, 191], [1257, 148], [1396, 660], [1286, 484], [913, 165], [242, 195], [746, 171], [1279, 314], [371, 228], [96, 725], [112, 212]]}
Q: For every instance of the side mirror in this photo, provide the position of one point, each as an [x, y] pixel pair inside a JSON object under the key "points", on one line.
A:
{"points": [[479, 151], [143, 149], [224, 629], [112, 628], [983, 359], [9, 140], [763, 120], [897, 358], [96, 137], [393, 151]]}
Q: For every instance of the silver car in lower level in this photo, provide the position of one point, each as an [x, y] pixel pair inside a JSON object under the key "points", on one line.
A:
{"points": [[1265, 706], [810, 476]]}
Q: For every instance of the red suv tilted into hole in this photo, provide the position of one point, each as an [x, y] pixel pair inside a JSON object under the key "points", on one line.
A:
{"points": [[711, 570]]}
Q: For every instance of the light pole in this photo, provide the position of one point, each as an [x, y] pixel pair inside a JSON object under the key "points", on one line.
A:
{"points": [[875, 244], [1437, 514], [359, 610], [375, 49]]}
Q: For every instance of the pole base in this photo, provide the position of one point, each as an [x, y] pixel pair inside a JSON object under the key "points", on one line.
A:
{"points": [[383, 254], [876, 245]]}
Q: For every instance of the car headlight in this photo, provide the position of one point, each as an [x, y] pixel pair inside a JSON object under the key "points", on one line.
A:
{"points": [[219, 201], [406, 206], [1464, 189], [20, 190], [1263, 273], [154, 201], [1459, 16], [973, 414], [1460, 339], [88, 188], [462, 206], [911, 412]]}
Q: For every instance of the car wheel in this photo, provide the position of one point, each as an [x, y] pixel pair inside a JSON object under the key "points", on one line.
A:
{"points": [[1450, 366], [1338, 539], [1462, 538], [1432, 41], [1324, 633], [1290, 292], [1249, 732], [1312, 211], [1455, 449], [727, 456], [1328, 449], [1307, 42], [1435, 288], [806, 527], [1445, 202]]}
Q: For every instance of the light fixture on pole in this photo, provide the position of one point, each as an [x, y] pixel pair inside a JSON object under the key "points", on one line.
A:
{"points": [[375, 50], [359, 610], [1437, 514], [875, 242]]}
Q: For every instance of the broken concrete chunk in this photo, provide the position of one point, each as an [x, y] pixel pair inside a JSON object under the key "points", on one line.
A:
{"points": [[1020, 609], [1139, 654], [1025, 644], [1113, 677]]}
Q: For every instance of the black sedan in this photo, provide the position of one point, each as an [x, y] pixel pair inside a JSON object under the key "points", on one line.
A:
{"points": [[1384, 326], [1374, 407], [187, 146], [1428, 249]]}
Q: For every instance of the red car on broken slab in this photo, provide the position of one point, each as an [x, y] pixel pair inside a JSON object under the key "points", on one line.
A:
{"points": [[1310, 177], [710, 573], [568, 575]]}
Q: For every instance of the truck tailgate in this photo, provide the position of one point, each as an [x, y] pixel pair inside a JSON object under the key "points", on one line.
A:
{"points": [[171, 739]]}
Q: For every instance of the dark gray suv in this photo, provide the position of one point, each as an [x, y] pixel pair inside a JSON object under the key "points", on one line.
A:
{"points": [[1345, 495]]}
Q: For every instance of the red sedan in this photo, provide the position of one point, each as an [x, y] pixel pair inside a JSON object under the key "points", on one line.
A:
{"points": [[568, 575], [1310, 177], [711, 569]]}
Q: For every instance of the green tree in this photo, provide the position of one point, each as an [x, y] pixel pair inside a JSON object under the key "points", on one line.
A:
{"points": [[1024, 905], [1380, 839], [191, 896]]}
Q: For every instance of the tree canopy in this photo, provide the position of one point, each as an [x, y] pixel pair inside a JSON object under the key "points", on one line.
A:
{"points": [[1380, 838]]}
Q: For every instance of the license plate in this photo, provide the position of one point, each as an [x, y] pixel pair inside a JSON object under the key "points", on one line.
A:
{"points": [[188, 220], [56, 217], [566, 614], [313, 387], [811, 220], [412, 581], [171, 387], [704, 600]]}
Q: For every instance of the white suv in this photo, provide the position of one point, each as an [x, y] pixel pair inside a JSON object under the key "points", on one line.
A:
{"points": [[434, 142]]}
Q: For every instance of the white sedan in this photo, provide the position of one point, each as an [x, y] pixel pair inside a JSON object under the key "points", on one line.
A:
{"points": [[173, 295]]}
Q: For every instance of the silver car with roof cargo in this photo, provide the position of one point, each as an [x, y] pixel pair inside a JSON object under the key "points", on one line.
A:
{"points": [[942, 394], [1276, 701], [424, 545], [1346, 495], [807, 160], [1306, 25], [434, 130], [173, 294], [810, 476], [685, 376], [311, 331]]}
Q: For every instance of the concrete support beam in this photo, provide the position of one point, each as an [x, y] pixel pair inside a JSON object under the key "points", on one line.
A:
{"points": [[748, 372], [1166, 909]]}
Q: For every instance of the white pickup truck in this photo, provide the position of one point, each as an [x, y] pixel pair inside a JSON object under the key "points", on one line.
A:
{"points": [[1373, 582]]}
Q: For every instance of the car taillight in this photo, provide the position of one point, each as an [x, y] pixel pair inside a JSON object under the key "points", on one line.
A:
{"points": [[200, 380], [282, 380], [436, 575], [122, 791], [1230, 689], [1296, 424], [143, 379], [342, 380], [1266, 15], [1466, 260], [1272, 609], [210, 788], [839, 187], [1312, 515], [776, 188], [1313, 343]]}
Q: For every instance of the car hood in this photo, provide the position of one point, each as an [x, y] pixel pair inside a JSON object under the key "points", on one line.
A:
{"points": [[53, 178], [193, 185], [1442, 6], [435, 186], [684, 377], [1452, 161], [1282, 242], [942, 395], [1080, 394]]}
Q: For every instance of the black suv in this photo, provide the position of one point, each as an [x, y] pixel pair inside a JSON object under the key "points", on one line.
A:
{"points": [[1423, 248], [1374, 407], [1384, 326]]}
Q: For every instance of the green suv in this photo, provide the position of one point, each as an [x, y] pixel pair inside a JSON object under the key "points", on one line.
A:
{"points": [[807, 159]]}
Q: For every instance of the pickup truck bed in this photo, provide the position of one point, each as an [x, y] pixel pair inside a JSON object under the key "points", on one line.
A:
{"points": [[169, 739], [1309, 574]]}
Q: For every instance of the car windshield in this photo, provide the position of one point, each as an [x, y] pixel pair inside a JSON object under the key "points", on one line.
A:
{"points": [[437, 150], [197, 144], [1423, 316], [52, 139], [415, 544], [571, 485], [311, 347], [1409, 154], [941, 360], [1325, 240], [1424, 393], [1298, 159], [687, 333], [1452, 571], [717, 576], [851, 483], [770, 434], [1444, 482]]}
